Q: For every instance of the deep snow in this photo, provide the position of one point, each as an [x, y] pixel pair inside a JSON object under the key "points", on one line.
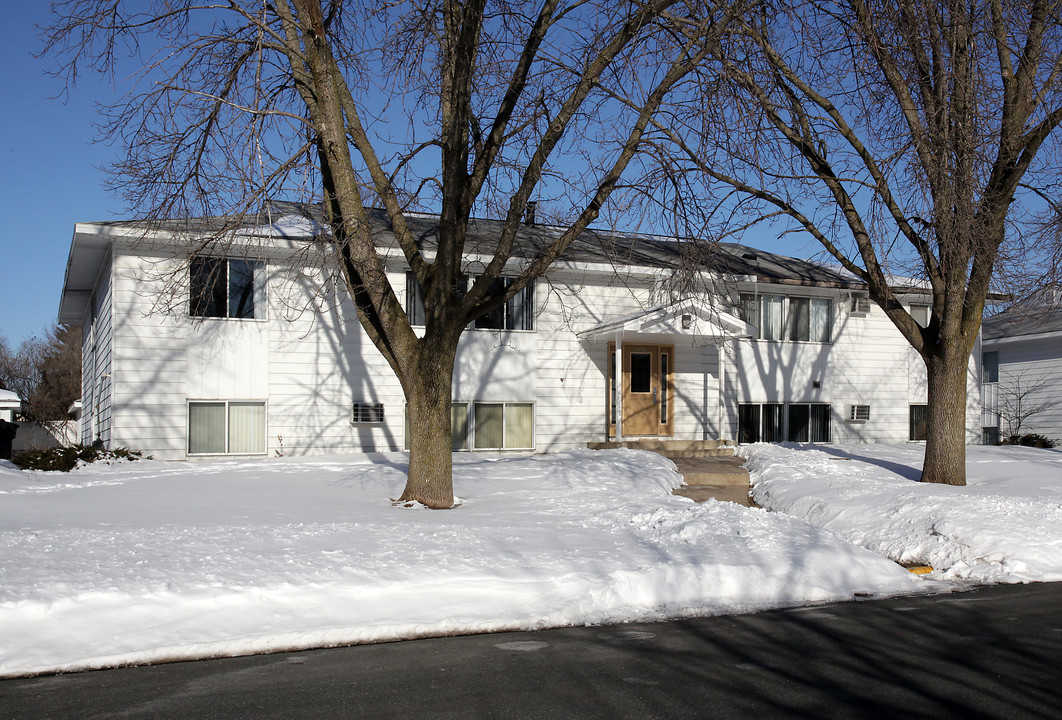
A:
{"points": [[149, 561], [1004, 526]]}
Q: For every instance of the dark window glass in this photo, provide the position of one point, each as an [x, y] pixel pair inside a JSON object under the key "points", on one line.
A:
{"points": [[522, 309], [225, 288], [414, 300], [663, 388], [919, 420], [209, 285], [799, 419], [748, 423], [773, 414], [495, 319], [819, 423], [990, 367], [641, 372], [517, 314], [241, 288], [615, 388]]}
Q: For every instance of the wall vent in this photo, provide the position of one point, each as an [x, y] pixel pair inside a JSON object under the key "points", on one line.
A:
{"points": [[363, 412], [859, 413]]}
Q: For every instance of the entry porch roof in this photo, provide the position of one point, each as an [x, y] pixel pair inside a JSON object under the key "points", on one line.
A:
{"points": [[691, 319]]}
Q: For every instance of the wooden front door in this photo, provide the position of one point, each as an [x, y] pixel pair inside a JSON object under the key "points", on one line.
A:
{"points": [[641, 390], [645, 386]]}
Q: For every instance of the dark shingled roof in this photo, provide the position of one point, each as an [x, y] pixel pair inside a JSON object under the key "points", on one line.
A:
{"points": [[1022, 320], [597, 246], [592, 246]]}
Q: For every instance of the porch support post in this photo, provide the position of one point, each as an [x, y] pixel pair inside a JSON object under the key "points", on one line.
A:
{"points": [[618, 386], [721, 347]]}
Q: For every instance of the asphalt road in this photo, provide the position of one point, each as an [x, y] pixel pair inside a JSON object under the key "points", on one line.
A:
{"points": [[992, 653]]}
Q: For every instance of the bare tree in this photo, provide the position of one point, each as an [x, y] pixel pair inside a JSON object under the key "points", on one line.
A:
{"points": [[1022, 395], [45, 372], [454, 106], [908, 138]]}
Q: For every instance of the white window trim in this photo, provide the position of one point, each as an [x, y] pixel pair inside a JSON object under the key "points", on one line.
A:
{"points": [[215, 401]]}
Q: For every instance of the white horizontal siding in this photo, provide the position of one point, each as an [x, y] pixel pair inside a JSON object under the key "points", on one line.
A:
{"points": [[310, 359], [1030, 373]]}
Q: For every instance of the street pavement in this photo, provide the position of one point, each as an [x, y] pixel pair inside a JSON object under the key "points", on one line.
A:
{"points": [[994, 652]]}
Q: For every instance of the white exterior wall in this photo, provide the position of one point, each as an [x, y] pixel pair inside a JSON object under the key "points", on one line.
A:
{"points": [[573, 373], [151, 358], [320, 362], [309, 360], [1031, 368], [97, 346], [868, 362]]}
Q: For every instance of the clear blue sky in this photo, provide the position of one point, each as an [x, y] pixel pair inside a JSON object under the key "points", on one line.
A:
{"points": [[48, 177]]}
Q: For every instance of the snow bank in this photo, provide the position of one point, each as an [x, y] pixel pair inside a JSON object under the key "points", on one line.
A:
{"points": [[1004, 526], [152, 561]]}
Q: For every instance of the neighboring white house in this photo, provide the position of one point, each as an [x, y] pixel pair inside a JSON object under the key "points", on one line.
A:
{"points": [[259, 352], [10, 405], [1022, 370]]}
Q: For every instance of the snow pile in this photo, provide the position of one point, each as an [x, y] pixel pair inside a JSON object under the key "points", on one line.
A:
{"points": [[152, 561], [1004, 526]]}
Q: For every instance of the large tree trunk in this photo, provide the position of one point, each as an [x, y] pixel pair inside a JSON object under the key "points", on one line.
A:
{"points": [[945, 460], [429, 393]]}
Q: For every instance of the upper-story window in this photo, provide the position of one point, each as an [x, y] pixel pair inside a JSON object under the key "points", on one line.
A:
{"points": [[777, 317], [921, 314], [990, 367], [223, 288], [517, 314]]}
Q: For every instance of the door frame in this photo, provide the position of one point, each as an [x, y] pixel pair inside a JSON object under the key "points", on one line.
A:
{"points": [[662, 381]]}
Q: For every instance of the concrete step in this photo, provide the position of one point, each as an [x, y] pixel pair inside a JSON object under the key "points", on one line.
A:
{"points": [[739, 478], [672, 448], [709, 468], [726, 493], [713, 471], [723, 452]]}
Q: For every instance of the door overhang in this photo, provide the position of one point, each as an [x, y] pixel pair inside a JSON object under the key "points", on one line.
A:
{"points": [[686, 322], [692, 321]]}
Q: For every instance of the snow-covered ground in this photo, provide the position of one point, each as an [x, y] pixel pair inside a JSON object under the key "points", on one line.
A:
{"points": [[1004, 526], [149, 561]]}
